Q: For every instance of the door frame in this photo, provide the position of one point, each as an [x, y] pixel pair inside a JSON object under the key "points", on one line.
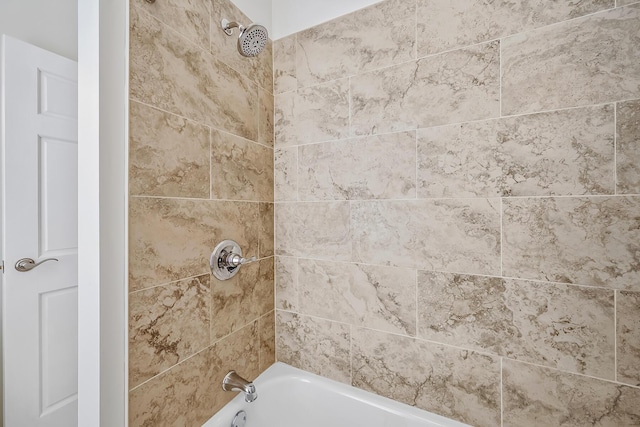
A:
{"points": [[102, 193], [103, 40]]}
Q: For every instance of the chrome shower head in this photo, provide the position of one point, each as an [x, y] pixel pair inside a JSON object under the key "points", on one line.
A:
{"points": [[252, 39]]}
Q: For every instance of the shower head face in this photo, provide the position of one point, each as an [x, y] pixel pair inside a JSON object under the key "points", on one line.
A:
{"points": [[252, 40]]}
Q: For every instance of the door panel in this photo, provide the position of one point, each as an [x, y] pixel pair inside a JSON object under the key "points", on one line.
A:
{"points": [[59, 362], [57, 96], [39, 221], [58, 191]]}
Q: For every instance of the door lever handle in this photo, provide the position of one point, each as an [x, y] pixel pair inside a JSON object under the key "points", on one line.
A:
{"points": [[26, 264]]}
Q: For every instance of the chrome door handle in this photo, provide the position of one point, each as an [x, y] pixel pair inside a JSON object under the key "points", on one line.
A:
{"points": [[26, 264]]}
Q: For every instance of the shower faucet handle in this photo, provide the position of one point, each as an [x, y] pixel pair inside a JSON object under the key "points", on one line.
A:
{"points": [[235, 260], [226, 259]]}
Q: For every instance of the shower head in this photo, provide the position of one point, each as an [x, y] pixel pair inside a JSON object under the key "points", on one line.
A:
{"points": [[252, 39]]}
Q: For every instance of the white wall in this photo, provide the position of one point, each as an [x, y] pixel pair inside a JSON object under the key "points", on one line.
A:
{"points": [[259, 11], [49, 24], [291, 16], [285, 17]]}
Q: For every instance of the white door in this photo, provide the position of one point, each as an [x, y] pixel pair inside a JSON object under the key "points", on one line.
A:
{"points": [[39, 204]]}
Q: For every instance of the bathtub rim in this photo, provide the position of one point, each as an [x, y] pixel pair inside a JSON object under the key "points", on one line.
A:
{"points": [[280, 371]]}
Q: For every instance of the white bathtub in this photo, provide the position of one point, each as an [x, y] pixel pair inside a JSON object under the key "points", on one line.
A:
{"points": [[289, 397]]}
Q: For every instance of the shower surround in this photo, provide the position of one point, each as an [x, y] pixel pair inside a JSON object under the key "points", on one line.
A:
{"points": [[457, 218], [201, 171]]}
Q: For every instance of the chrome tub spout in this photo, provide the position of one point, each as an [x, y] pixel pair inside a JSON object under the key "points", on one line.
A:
{"points": [[234, 382]]}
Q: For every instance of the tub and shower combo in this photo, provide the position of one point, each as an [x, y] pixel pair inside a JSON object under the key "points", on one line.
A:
{"points": [[284, 396], [289, 397]]}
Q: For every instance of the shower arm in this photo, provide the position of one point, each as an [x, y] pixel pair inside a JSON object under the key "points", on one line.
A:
{"points": [[228, 27]]}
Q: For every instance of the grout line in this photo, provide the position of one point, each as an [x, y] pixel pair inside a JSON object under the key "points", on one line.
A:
{"points": [[170, 368], [500, 72], [415, 134], [211, 344], [275, 333], [173, 282], [297, 174], [501, 238], [457, 347], [197, 122], [435, 199], [195, 199], [390, 200], [501, 394], [415, 39], [538, 281], [210, 164], [615, 148], [417, 304], [350, 230], [615, 335], [351, 130], [571, 373], [274, 217], [350, 354], [296, 283], [486, 119]]}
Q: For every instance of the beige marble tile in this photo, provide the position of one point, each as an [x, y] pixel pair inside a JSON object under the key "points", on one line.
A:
{"points": [[445, 25], [284, 64], [167, 324], [188, 17], [541, 397], [265, 120], [267, 327], [459, 384], [315, 345], [240, 169], [319, 113], [375, 167], [583, 240], [375, 37], [287, 283], [382, 298], [168, 155], [557, 153], [628, 147], [239, 352], [315, 230], [628, 330], [286, 174], [625, 2], [447, 235], [170, 73], [172, 239], [225, 48], [451, 87], [592, 60], [181, 396], [565, 327], [266, 230], [242, 299]]}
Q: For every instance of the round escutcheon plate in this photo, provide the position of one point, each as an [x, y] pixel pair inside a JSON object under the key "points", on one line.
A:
{"points": [[239, 420]]}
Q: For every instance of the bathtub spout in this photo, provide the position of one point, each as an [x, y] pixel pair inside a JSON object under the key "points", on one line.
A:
{"points": [[234, 382]]}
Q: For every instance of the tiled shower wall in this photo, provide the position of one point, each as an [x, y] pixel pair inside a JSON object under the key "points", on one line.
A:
{"points": [[457, 207], [201, 171]]}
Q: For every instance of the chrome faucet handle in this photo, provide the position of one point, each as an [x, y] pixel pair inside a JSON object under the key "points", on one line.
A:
{"points": [[235, 260], [226, 259]]}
